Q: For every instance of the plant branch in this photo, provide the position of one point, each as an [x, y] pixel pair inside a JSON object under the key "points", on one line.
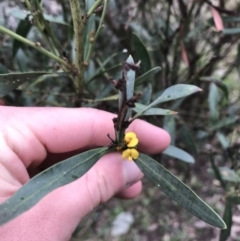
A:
{"points": [[94, 7], [36, 46], [98, 31], [78, 26], [49, 33], [39, 22]]}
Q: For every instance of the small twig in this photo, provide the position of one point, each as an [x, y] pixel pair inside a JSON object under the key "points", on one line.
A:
{"points": [[94, 7], [98, 30], [39, 22], [36, 46]]}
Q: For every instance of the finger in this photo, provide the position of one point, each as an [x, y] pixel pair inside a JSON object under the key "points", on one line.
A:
{"points": [[33, 132], [56, 216], [152, 139], [131, 192]]}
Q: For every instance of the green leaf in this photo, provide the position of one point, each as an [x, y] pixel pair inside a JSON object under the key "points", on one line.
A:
{"points": [[152, 111], [218, 82], [22, 60], [54, 19], [109, 59], [9, 82], [223, 87], [223, 140], [223, 123], [56, 176], [91, 76], [172, 93], [108, 98], [213, 99], [178, 153], [237, 61], [169, 124], [175, 92], [229, 175], [233, 197], [141, 32], [141, 53], [216, 171], [178, 191], [229, 19], [186, 138], [146, 94], [227, 217], [146, 77], [229, 31], [23, 29], [130, 78], [3, 69], [104, 94]]}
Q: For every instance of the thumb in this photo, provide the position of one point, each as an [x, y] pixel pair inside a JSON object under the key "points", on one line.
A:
{"points": [[57, 215]]}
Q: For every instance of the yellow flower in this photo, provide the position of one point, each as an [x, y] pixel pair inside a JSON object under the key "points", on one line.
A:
{"points": [[131, 142], [130, 154], [131, 139]]}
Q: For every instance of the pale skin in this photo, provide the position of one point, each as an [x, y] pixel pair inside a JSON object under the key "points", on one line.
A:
{"points": [[32, 139]]}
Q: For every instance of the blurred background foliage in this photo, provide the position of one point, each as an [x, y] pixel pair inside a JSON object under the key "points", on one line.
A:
{"points": [[193, 42]]}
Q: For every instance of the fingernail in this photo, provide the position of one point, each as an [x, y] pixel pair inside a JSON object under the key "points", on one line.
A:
{"points": [[131, 172]]}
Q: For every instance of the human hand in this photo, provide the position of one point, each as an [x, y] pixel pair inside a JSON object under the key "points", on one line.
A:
{"points": [[32, 139]]}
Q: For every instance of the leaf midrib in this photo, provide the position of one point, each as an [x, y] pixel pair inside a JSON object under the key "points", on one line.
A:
{"points": [[53, 181], [181, 193]]}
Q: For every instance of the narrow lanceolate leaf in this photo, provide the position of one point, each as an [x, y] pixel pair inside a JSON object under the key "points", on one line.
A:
{"points": [[172, 93], [178, 191], [108, 98], [186, 138], [130, 78], [223, 87], [233, 198], [169, 124], [178, 153], [175, 92], [237, 61], [11, 81], [141, 53], [146, 94], [224, 122], [229, 175], [230, 31], [152, 111], [218, 82], [216, 171], [23, 14], [227, 217], [23, 30], [3, 69], [146, 77], [56, 176]]}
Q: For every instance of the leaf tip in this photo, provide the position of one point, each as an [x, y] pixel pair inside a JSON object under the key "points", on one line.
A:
{"points": [[225, 226]]}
